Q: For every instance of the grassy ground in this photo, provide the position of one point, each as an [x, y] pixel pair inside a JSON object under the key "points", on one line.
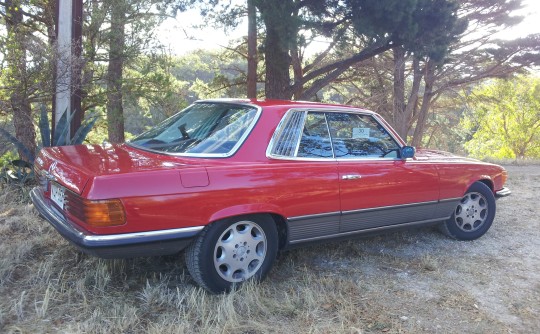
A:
{"points": [[408, 282]]}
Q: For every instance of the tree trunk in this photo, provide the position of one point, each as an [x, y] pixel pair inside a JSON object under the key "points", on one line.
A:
{"points": [[412, 102], [298, 71], [115, 111], [277, 62], [429, 79], [403, 110], [281, 30], [16, 79], [399, 91], [252, 51]]}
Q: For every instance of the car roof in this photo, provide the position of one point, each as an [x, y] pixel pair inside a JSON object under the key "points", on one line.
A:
{"points": [[285, 104]]}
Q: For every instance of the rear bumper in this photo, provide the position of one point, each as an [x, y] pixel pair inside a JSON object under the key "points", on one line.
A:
{"points": [[503, 192], [112, 246]]}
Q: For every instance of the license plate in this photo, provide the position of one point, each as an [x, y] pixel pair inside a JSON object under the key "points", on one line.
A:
{"points": [[57, 194]]}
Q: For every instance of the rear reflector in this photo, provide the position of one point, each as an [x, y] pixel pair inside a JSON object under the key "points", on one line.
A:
{"points": [[96, 213]]}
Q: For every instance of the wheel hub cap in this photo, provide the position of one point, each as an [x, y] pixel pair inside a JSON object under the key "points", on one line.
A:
{"points": [[472, 212], [240, 251]]}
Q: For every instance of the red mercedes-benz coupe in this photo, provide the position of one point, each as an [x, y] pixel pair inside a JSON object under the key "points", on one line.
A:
{"points": [[234, 181]]}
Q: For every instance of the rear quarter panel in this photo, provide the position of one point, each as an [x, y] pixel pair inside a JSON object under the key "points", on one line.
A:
{"points": [[287, 189]]}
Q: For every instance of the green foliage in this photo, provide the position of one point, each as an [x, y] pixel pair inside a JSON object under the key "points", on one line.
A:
{"points": [[424, 27], [17, 172], [152, 92], [61, 135], [17, 143], [7, 158], [212, 74], [504, 119]]}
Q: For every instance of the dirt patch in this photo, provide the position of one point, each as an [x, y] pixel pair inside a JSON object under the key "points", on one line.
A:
{"points": [[408, 282]]}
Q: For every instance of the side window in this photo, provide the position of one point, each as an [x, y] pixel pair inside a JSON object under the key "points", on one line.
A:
{"points": [[315, 141], [285, 140], [360, 136]]}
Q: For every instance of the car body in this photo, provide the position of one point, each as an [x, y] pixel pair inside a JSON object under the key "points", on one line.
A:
{"points": [[234, 181]]}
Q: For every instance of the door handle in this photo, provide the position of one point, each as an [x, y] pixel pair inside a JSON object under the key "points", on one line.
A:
{"points": [[351, 177]]}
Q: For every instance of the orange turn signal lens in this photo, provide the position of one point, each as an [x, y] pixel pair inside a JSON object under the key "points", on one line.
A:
{"points": [[104, 213], [96, 213]]}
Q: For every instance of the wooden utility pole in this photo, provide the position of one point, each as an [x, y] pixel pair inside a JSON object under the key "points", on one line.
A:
{"points": [[252, 51], [67, 96]]}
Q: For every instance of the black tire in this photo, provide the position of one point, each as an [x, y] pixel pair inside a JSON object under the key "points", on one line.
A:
{"points": [[231, 251], [474, 214]]}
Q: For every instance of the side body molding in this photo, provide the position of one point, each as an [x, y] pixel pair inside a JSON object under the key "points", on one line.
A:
{"points": [[341, 224]]}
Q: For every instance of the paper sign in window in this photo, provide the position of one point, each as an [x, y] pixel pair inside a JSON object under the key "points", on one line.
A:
{"points": [[360, 133]]}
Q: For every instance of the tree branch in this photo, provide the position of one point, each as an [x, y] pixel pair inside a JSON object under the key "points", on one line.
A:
{"points": [[334, 70]]}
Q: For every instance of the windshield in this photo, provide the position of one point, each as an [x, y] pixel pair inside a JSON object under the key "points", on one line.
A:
{"points": [[202, 129]]}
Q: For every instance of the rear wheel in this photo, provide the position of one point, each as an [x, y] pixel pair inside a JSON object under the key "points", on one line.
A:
{"points": [[473, 215], [231, 251]]}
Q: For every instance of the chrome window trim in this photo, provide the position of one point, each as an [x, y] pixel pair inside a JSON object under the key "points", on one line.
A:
{"points": [[330, 136], [365, 112], [299, 139], [278, 131], [381, 121], [235, 148], [370, 159]]}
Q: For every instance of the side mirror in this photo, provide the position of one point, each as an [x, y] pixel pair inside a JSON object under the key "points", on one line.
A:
{"points": [[407, 152]]}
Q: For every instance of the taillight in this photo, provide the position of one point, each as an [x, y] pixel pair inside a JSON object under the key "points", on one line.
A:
{"points": [[96, 213], [41, 180]]}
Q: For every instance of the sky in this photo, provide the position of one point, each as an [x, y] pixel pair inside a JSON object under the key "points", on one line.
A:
{"points": [[180, 38]]}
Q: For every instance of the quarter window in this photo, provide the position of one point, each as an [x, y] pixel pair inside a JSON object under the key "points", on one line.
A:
{"points": [[287, 134]]}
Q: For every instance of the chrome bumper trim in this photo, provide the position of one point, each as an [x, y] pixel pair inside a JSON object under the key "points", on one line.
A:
{"points": [[503, 192], [84, 239]]}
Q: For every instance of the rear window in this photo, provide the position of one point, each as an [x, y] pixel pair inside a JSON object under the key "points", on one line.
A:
{"points": [[202, 129]]}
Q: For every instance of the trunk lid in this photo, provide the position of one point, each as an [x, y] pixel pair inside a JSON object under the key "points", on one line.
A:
{"points": [[74, 166]]}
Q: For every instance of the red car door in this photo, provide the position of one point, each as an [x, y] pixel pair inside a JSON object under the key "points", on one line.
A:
{"points": [[380, 193], [377, 188]]}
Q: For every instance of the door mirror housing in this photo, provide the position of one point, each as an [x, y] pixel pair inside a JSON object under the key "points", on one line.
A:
{"points": [[407, 152]]}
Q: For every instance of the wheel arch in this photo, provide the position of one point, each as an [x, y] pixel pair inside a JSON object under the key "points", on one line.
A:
{"points": [[256, 209], [283, 229], [487, 181]]}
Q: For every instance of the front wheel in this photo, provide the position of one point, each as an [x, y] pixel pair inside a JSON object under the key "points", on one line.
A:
{"points": [[473, 215], [231, 251]]}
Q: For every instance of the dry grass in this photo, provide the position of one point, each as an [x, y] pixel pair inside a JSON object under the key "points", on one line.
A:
{"points": [[407, 282]]}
